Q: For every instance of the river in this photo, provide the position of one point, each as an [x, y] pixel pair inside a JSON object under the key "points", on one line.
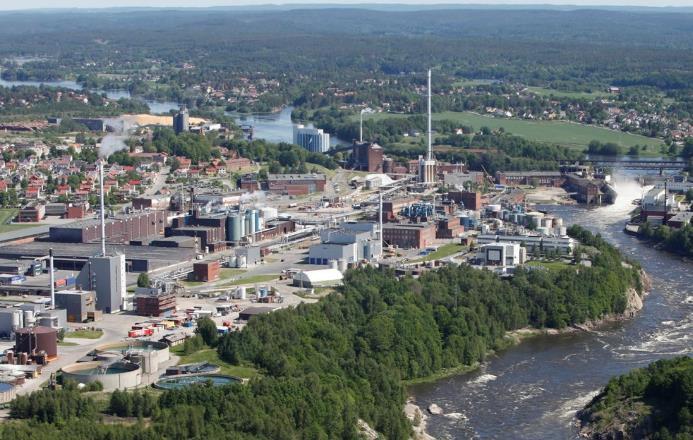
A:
{"points": [[155, 107], [274, 127], [533, 390]]}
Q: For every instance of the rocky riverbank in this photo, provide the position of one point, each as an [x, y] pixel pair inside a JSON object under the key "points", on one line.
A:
{"points": [[634, 303]]}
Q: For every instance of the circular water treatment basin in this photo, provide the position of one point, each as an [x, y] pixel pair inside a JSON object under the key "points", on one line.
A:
{"points": [[177, 382]]}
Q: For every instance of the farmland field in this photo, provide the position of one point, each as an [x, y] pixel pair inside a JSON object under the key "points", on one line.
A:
{"points": [[555, 132]]}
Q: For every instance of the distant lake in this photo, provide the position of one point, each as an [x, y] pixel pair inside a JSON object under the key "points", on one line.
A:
{"points": [[274, 127], [155, 107]]}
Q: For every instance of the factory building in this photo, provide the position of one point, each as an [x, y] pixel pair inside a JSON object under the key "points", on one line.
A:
{"points": [[502, 254], [367, 156], [181, 122], [31, 213], [80, 305], [153, 301], [534, 178], [156, 202], [314, 140], [449, 227], [296, 184], [119, 229], [207, 271], [409, 235], [318, 278], [469, 199], [349, 243], [533, 243], [106, 276]]}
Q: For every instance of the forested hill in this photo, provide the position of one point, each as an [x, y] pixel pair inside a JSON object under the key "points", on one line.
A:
{"points": [[655, 402], [328, 364]]}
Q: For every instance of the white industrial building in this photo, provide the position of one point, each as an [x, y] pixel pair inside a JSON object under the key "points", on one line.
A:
{"points": [[502, 254], [349, 243], [318, 278], [533, 243], [314, 140]]}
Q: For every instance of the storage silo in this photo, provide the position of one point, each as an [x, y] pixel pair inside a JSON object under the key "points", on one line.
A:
{"points": [[256, 220], [37, 339], [233, 227], [342, 265]]}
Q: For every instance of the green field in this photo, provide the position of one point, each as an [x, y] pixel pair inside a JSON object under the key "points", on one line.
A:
{"points": [[210, 355], [442, 252], [541, 91], [472, 82], [84, 334], [550, 265], [555, 132], [6, 216], [253, 279]]}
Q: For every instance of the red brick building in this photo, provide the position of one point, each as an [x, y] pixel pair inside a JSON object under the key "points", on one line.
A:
{"points": [[449, 228], [409, 235], [207, 271], [470, 200], [296, 184]]}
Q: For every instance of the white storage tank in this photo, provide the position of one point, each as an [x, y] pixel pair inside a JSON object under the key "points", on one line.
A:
{"points": [[342, 265], [240, 292], [563, 231], [334, 264], [29, 319]]}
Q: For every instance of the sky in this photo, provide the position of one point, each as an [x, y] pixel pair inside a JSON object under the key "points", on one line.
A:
{"points": [[36, 4]]}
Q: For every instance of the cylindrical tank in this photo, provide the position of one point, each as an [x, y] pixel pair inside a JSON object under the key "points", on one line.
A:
{"points": [[563, 231], [35, 339], [10, 357], [256, 219], [242, 261], [29, 318], [342, 265], [240, 292], [333, 264], [249, 223], [260, 223], [17, 321], [241, 221], [233, 227], [23, 358], [233, 261]]}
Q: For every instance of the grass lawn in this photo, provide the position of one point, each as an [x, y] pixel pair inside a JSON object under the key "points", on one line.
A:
{"points": [[67, 344], [85, 334], [565, 133], [542, 91], [442, 252], [472, 82], [550, 265], [6, 216], [252, 280], [210, 355]]}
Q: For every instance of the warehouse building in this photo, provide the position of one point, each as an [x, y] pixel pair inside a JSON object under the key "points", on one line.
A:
{"points": [[152, 301], [106, 276], [296, 184], [79, 304], [502, 254], [119, 229], [69, 256], [349, 243], [318, 278], [409, 235], [533, 243]]}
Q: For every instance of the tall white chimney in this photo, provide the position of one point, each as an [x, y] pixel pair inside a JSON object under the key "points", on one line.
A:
{"points": [[52, 277], [430, 133], [103, 215]]}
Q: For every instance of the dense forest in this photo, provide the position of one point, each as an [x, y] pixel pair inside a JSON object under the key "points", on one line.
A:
{"points": [[328, 364], [655, 402], [676, 240]]}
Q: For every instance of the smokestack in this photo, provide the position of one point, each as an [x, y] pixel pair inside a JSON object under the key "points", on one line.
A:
{"points": [[52, 277], [103, 216], [430, 154]]}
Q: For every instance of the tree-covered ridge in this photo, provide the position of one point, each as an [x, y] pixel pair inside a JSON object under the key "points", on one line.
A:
{"points": [[328, 364], [655, 402]]}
